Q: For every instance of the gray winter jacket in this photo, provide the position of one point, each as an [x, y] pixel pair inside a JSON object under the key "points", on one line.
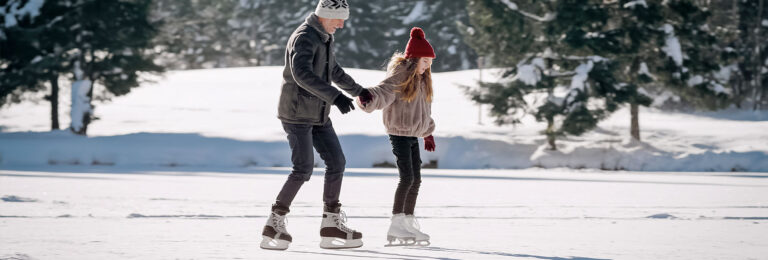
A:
{"points": [[310, 65]]}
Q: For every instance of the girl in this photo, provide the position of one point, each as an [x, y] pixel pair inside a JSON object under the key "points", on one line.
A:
{"points": [[406, 97]]}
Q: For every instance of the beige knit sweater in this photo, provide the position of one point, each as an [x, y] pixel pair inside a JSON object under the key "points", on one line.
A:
{"points": [[401, 118]]}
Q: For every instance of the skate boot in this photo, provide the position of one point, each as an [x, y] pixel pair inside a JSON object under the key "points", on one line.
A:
{"points": [[275, 236], [334, 232], [397, 234], [412, 226]]}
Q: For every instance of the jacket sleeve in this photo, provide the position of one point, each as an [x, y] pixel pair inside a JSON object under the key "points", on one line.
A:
{"points": [[344, 81], [384, 93], [431, 128], [301, 68]]}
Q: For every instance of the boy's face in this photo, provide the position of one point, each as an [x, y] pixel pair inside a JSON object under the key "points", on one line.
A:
{"points": [[424, 64]]}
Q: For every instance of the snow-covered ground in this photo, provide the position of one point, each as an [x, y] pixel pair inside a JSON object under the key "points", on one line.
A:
{"points": [[186, 168], [227, 118], [78, 212]]}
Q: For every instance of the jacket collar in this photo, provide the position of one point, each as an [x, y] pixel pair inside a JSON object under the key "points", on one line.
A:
{"points": [[313, 22]]}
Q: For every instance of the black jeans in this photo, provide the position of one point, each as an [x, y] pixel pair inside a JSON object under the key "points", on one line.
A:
{"points": [[323, 138], [406, 150]]}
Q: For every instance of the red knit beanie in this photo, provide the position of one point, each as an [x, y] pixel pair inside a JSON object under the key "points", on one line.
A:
{"points": [[418, 46]]}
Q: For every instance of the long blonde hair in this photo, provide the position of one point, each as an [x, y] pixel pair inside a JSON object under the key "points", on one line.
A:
{"points": [[409, 87]]}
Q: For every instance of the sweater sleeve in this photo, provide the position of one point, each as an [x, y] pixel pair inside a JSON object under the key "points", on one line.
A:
{"points": [[431, 127], [384, 93]]}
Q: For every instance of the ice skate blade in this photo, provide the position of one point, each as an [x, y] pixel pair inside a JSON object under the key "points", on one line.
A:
{"points": [[391, 238], [269, 243], [400, 241], [408, 244], [400, 244], [338, 243], [396, 241]]}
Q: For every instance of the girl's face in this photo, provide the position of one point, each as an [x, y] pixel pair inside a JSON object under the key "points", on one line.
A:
{"points": [[423, 65]]}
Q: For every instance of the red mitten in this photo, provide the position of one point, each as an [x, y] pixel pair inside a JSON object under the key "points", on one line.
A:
{"points": [[429, 143], [365, 97]]}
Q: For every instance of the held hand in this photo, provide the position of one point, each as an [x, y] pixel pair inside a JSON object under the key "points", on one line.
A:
{"points": [[429, 143], [365, 97], [344, 103]]}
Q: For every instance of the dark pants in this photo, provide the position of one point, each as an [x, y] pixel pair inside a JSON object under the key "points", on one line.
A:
{"points": [[406, 150], [323, 138]]}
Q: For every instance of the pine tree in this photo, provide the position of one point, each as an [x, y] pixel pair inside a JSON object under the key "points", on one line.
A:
{"points": [[741, 26], [564, 82], [28, 55], [105, 42], [753, 51], [439, 20], [613, 52], [111, 46], [666, 46], [14, 54], [225, 33], [94, 41], [357, 46], [16, 61], [700, 79], [209, 33]]}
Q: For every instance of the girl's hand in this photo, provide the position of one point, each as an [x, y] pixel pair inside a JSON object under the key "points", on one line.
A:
{"points": [[429, 143], [365, 97]]}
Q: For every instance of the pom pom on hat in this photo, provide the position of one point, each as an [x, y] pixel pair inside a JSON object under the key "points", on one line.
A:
{"points": [[417, 32], [418, 46]]}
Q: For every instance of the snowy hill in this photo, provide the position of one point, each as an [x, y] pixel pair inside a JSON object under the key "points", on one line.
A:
{"points": [[227, 118]]}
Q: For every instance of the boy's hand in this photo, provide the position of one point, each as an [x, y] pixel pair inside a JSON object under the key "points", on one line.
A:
{"points": [[344, 104]]}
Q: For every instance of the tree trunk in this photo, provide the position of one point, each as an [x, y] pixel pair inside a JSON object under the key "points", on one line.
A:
{"points": [[635, 122], [738, 85], [87, 119], [758, 60], [82, 89], [55, 102], [551, 134]]}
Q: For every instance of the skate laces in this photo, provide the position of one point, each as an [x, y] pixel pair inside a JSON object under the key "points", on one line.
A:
{"points": [[279, 222], [341, 221]]}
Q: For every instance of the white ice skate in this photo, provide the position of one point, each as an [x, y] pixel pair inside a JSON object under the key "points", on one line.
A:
{"points": [[397, 234], [275, 236], [412, 225], [335, 234]]}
